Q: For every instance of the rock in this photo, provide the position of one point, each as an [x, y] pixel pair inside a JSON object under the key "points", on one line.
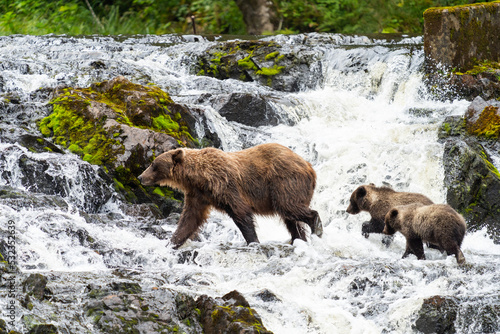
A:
{"points": [[483, 118], [455, 37], [122, 127], [473, 184], [437, 315], [43, 329], [246, 109], [267, 295], [3, 327], [471, 179], [45, 176], [230, 314], [133, 313], [35, 285], [268, 63]]}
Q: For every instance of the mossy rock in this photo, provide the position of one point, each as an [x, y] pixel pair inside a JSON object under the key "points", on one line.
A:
{"points": [[122, 127], [266, 62], [458, 36], [230, 314]]}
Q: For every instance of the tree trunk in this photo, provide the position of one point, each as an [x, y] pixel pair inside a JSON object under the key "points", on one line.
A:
{"points": [[258, 15]]}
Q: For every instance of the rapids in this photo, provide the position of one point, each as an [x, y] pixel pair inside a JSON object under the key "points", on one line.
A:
{"points": [[371, 120]]}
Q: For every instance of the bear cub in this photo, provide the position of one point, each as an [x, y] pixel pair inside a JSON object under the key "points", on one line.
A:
{"points": [[437, 223], [378, 201], [267, 179]]}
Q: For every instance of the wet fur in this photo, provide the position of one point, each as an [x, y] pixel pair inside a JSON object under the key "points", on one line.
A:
{"points": [[378, 201], [438, 224], [267, 179]]}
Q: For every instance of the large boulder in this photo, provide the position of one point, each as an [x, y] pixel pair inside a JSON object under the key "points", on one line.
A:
{"points": [[471, 179], [265, 62], [456, 37], [121, 127]]}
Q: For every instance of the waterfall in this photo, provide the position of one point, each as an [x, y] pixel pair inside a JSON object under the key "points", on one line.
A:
{"points": [[370, 120]]}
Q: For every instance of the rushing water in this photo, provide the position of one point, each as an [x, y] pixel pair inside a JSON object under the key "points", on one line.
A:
{"points": [[371, 120]]}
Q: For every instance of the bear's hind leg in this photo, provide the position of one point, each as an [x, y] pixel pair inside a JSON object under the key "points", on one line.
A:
{"points": [[455, 250], [416, 247], [244, 220], [296, 231]]}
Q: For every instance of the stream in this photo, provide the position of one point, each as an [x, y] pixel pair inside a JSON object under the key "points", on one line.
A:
{"points": [[370, 119]]}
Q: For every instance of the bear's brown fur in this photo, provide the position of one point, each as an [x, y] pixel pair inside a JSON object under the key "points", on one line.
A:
{"points": [[436, 223], [378, 201], [267, 179]]}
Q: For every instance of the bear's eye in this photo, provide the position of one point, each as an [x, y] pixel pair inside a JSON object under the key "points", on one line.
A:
{"points": [[154, 167]]}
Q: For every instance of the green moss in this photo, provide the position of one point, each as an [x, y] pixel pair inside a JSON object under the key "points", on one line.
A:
{"points": [[487, 125], [272, 55], [247, 63], [165, 122], [270, 71]]}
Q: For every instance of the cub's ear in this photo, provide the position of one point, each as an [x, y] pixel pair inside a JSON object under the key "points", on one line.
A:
{"points": [[361, 192], [178, 156], [394, 213]]}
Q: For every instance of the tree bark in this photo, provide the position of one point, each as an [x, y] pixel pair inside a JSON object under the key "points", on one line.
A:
{"points": [[258, 15]]}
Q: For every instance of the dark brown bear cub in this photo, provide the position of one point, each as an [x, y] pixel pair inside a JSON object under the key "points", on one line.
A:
{"points": [[437, 223], [267, 179], [378, 201]]}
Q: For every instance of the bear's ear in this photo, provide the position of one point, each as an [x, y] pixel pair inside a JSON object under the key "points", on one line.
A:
{"points": [[361, 192], [394, 213], [178, 156]]}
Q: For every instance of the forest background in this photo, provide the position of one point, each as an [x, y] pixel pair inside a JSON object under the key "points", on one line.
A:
{"points": [[233, 17]]}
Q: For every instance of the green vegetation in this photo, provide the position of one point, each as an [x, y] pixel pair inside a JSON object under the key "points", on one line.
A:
{"points": [[74, 17]]}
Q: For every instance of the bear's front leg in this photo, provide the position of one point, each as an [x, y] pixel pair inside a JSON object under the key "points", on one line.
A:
{"points": [[193, 215], [417, 247], [373, 226]]}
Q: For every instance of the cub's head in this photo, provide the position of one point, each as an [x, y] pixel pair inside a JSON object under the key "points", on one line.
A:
{"points": [[160, 173], [391, 222], [359, 201]]}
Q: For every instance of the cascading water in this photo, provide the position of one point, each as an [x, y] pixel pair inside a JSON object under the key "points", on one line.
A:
{"points": [[371, 120]]}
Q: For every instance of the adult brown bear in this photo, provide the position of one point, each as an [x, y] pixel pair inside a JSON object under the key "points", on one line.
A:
{"points": [[267, 179], [438, 224]]}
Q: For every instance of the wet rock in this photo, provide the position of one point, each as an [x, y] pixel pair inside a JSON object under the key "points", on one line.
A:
{"points": [[20, 199], [35, 285], [473, 185], [38, 144], [471, 179], [43, 329], [268, 63], [3, 328], [437, 315], [267, 296], [458, 36], [121, 126], [230, 314], [247, 109], [47, 177], [154, 312]]}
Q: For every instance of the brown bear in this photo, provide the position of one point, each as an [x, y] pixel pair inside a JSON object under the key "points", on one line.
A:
{"points": [[378, 201], [267, 179], [436, 223]]}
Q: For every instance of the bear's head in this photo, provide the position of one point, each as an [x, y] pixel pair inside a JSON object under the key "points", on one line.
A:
{"points": [[359, 200], [391, 222], [161, 171]]}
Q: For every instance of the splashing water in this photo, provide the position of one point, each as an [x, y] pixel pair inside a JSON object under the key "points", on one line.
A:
{"points": [[359, 126]]}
